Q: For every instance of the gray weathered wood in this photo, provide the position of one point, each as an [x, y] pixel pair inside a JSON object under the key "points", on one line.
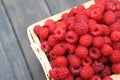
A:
{"points": [[12, 63], [22, 14], [57, 6]]}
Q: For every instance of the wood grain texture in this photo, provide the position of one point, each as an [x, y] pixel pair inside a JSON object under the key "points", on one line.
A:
{"points": [[56, 6], [23, 13], [12, 63]]}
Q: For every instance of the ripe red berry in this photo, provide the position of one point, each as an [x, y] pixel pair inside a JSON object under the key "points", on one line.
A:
{"points": [[115, 26], [71, 37], [37, 29], [85, 40], [106, 30], [51, 40], [109, 6], [53, 73], [86, 61], [107, 78], [45, 46], [74, 71], [95, 77], [86, 72], [106, 50], [116, 46], [115, 56], [94, 53], [109, 17], [61, 61], [103, 59], [78, 78], [70, 24], [70, 48], [48, 23], [115, 36], [61, 24], [69, 77], [106, 71], [107, 40], [74, 61], [98, 41], [116, 68], [64, 16], [81, 52]]}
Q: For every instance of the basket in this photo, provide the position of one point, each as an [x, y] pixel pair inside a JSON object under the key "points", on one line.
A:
{"points": [[36, 46]]}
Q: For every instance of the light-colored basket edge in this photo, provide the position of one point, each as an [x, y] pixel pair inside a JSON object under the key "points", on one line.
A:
{"points": [[35, 44]]}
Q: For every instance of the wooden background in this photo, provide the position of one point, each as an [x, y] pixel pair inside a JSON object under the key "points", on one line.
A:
{"points": [[17, 61]]}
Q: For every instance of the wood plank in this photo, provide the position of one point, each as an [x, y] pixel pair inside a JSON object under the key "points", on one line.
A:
{"points": [[57, 6], [12, 63], [22, 14]]}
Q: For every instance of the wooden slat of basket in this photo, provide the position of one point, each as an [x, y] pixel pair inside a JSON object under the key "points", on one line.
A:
{"points": [[36, 46]]}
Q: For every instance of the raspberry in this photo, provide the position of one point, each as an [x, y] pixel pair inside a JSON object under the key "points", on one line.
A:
{"points": [[78, 78], [74, 71], [109, 6], [81, 28], [109, 17], [116, 68], [86, 61], [61, 24], [81, 18], [95, 77], [107, 78], [70, 48], [106, 71], [98, 41], [45, 46], [81, 52], [103, 59], [86, 72], [43, 33], [115, 36], [64, 16], [61, 61], [81, 9], [115, 56], [85, 40], [63, 72], [97, 66], [71, 37], [91, 22], [116, 46], [107, 40], [106, 50], [106, 30], [74, 61], [37, 29], [96, 30], [94, 53], [118, 7], [53, 73], [73, 12], [51, 40], [52, 63], [70, 24], [115, 26], [50, 24], [96, 14], [69, 77], [59, 33]]}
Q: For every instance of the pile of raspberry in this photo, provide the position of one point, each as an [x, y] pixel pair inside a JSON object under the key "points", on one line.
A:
{"points": [[85, 43]]}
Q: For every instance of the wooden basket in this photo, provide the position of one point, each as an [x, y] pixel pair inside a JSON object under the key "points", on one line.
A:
{"points": [[36, 46]]}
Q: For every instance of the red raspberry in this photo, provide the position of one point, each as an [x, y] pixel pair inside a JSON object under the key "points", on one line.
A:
{"points": [[50, 24], [52, 63], [91, 22], [115, 36], [106, 50], [94, 53], [61, 61], [116, 46], [63, 72], [86, 72], [74, 61], [106, 30], [98, 41], [117, 13], [52, 54], [106, 71], [37, 29], [78, 78], [59, 33], [107, 78], [115, 56], [109, 6], [109, 17], [51, 40], [69, 77], [81, 52], [81, 9], [70, 24], [116, 68], [43, 33], [95, 77], [74, 71], [81, 18], [115, 26], [70, 48], [104, 59], [71, 37], [45, 46], [96, 13], [81, 28], [97, 66], [64, 16], [107, 40], [96, 30], [61, 24], [86, 61], [53, 73], [73, 12], [85, 40]]}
